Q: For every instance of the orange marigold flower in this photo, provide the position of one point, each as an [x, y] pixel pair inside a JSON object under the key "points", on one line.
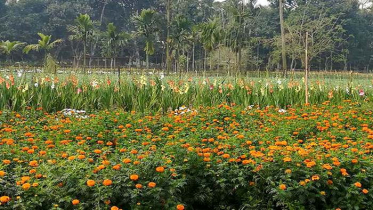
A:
{"points": [[4, 199], [91, 183], [180, 207], [245, 162], [226, 156], [6, 162], [126, 160], [344, 172], [327, 166], [315, 178], [34, 163], [365, 191], [107, 182], [134, 177], [357, 184], [25, 178], [152, 184], [26, 186], [282, 187], [75, 202], [287, 159], [28, 134], [2, 173], [97, 151], [160, 169], [117, 167], [138, 186], [81, 157], [114, 208], [310, 164]]}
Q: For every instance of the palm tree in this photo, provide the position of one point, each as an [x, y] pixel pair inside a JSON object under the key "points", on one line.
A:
{"points": [[82, 30], [146, 25], [209, 37], [180, 36], [44, 44], [7, 47], [113, 41], [236, 35]]}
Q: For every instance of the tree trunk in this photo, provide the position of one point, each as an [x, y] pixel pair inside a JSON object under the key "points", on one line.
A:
{"points": [[331, 60], [219, 62], [210, 60], [84, 53], [204, 61], [147, 61], [283, 50], [168, 59], [137, 54], [193, 62], [187, 62], [239, 59], [306, 68], [103, 11]]}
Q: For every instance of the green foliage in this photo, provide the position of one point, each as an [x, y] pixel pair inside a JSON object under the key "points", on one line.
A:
{"points": [[152, 94], [45, 44], [341, 31], [7, 47], [113, 41], [146, 24]]}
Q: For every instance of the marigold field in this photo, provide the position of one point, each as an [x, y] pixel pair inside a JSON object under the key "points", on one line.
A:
{"points": [[231, 142], [220, 157]]}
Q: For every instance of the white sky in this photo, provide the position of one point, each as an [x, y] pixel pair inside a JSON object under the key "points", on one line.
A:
{"points": [[261, 2]]}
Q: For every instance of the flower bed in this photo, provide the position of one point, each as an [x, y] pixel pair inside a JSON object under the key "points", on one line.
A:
{"points": [[222, 157]]}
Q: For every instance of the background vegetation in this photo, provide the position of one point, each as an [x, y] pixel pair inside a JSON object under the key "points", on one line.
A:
{"points": [[190, 35]]}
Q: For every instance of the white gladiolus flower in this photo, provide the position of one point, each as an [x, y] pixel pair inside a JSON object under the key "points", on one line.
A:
{"points": [[94, 83]]}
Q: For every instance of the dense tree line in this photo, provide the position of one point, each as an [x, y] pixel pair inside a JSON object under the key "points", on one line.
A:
{"points": [[192, 35]]}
